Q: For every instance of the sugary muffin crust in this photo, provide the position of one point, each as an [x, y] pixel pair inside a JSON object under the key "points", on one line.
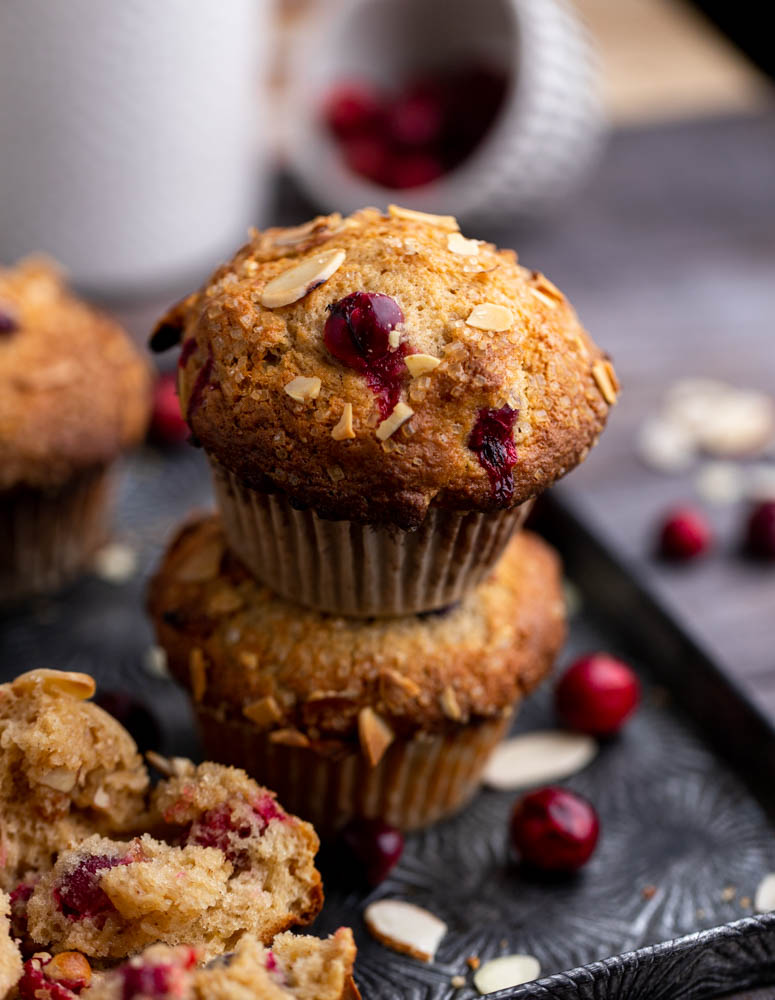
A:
{"points": [[313, 678], [394, 365], [67, 770], [74, 390], [10, 956], [295, 968], [233, 862]]}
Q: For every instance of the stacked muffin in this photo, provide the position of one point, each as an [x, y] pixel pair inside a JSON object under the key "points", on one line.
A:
{"points": [[381, 400]]}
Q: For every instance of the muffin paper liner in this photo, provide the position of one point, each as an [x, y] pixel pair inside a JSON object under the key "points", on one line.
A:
{"points": [[48, 536], [417, 782], [346, 568]]}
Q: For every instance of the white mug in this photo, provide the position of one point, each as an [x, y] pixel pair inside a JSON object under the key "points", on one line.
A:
{"points": [[130, 135]]}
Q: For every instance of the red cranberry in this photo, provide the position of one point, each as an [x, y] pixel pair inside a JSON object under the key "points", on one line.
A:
{"points": [[492, 440], [375, 846], [36, 985], [353, 108], [8, 323], [133, 716], [156, 981], [227, 824], [370, 157], [167, 424], [596, 694], [554, 829], [685, 534], [416, 118], [357, 333], [473, 95], [415, 169], [79, 894], [760, 531]]}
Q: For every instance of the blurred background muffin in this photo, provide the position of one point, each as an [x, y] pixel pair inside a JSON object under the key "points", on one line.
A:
{"points": [[74, 394]]}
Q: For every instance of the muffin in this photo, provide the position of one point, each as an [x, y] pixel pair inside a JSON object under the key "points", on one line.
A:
{"points": [[74, 393], [10, 956], [382, 718], [297, 967], [67, 770], [231, 862], [381, 399]]}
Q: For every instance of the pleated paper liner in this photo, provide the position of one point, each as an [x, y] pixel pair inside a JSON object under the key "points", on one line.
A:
{"points": [[357, 570], [417, 781], [47, 537]]}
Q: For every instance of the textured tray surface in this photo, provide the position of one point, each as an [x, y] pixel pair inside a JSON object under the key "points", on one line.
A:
{"points": [[674, 815]]}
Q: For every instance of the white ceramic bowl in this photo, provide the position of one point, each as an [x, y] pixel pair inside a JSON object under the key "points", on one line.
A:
{"points": [[543, 143]]}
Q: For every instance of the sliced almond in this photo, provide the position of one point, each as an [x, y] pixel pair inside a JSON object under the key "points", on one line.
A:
{"points": [[457, 243], [298, 281], [115, 562], [764, 900], [449, 704], [303, 388], [56, 682], [264, 713], [101, 799], [392, 684], [61, 779], [665, 446], [289, 738], [170, 767], [505, 972], [343, 431], [71, 966], [405, 928], [441, 221], [538, 294], [321, 225], [421, 364], [197, 669], [537, 758], [374, 734], [546, 292], [492, 317], [605, 377], [401, 413], [200, 564]]}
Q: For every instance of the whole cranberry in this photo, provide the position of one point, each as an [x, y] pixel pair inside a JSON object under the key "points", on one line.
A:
{"points": [[415, 169], [596, 694], [375, 846], [416, 118], [167, 424], [554, 829], [684, 535], [369, 156], [353, 108], [760, 530]]}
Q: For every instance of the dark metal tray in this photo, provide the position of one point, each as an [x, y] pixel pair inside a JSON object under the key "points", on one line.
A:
{"points": [[684, 794]]}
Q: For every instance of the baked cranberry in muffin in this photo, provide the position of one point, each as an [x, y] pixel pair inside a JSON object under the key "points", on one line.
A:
{"points": [[231, 862]]}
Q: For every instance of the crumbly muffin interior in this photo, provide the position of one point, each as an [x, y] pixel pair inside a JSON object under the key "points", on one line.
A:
{"points": [[67, 770]]}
